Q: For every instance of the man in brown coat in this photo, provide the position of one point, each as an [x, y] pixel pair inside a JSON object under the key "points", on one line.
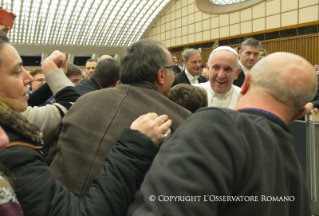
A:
{"points": [[96, 120]]}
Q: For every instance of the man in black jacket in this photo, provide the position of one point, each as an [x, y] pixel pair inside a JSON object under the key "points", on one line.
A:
{"points": [[249, 53], [226, 162], [193, 68], [105, 75]]}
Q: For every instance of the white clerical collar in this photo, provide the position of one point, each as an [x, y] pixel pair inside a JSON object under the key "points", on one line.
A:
{"points": [[243, 67], [228, 93], [190, 76]]}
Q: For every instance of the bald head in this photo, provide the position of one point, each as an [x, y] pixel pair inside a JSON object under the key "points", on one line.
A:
{"points": [[287, 77], [102, 57]]}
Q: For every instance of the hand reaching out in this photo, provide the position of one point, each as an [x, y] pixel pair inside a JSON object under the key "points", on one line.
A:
{"points": [[154, 126], [56, 60]]}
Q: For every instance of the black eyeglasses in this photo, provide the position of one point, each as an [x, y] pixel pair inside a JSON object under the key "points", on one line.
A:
{"points": [[172, 66]]}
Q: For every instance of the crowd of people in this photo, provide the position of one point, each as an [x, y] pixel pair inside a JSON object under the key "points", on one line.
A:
{"points": [[147, 136]]}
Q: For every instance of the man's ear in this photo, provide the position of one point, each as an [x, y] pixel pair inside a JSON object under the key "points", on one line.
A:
{"points": [[246, 84], [117, 83], [300, 114], [160, 76], [238, 72], [239, 51]]}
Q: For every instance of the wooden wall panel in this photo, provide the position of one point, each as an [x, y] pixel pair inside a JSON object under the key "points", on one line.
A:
{"points": [[306, 46]]}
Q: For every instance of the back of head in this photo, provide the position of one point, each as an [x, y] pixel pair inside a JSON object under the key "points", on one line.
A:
{"points": [[142, 61], [102, 57], [188, 96], [107, 72], [73, 70], [287, 77], [188, 53], [250, 42]]}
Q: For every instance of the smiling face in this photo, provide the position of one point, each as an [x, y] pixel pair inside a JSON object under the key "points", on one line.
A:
{"points": [[223, 70], [14, 78]]}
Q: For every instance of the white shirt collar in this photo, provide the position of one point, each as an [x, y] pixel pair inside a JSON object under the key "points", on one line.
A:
{"points": [[243, 67], [228, 93], [192, 79]]}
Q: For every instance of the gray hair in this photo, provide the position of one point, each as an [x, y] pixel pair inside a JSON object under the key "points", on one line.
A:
{"points": [[250, 42], [142, 61], [188, 53]]}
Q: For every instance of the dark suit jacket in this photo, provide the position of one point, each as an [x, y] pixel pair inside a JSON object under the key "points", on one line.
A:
{"points": [[182, 78], [86, 86], [240, 80]]}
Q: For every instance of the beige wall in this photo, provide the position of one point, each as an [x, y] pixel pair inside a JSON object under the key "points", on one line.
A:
{"points": [[183, 23]]}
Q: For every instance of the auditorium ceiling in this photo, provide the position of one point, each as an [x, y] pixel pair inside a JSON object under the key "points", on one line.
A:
{"points": [[115, 23]]}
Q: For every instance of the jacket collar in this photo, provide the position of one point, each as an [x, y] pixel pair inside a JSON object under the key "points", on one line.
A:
{"points": [[18, 124], [148, 85]]}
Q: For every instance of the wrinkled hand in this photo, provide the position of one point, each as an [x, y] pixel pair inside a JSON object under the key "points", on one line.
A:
{"points": [[153, 126], [56, 60], [309, 107]]}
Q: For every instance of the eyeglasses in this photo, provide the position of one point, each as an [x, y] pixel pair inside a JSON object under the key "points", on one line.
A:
{"points": [[172, 66], [39, 80]]}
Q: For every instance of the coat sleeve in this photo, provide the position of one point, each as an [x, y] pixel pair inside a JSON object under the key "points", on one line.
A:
{"points": [[48, 117], [111, 193], [40, 96]]}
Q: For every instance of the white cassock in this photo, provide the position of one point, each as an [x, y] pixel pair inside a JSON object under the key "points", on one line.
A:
{"points": [[228, 100]]}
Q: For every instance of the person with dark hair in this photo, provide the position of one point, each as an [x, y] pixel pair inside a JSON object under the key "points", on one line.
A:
{"points": [[175, 60], [249, 54], [106, 75], [74, 73], [38, 79], [236, 162], [90, 66], [36, 190], [192, 60], [188, 96], [97, 118]]}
